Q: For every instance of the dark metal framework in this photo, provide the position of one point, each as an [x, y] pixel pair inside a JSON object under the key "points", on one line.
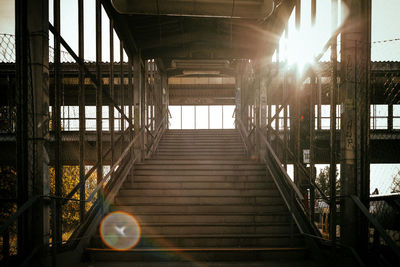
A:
{"points": [[135, 140], [135, 91]]}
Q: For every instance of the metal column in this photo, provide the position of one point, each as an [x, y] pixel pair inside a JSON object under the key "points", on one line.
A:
{"points": [[99, 95], [332, 166], [82, 126], [354, 91]]}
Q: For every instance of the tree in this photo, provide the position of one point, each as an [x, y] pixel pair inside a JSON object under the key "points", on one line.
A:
{"points": [[322, 182], [395, 186], [70, 210]]}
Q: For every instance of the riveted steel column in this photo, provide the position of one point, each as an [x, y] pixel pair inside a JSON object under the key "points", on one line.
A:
{"points": [[32, 86], [21, 39], [112, 94], [296, 110], [285, 95], [57, 126], [312, 122], [354, 91], [99, 98], [82, 121], [332, 143]]}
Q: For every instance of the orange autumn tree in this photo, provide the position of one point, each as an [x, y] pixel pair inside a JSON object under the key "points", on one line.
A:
{"points": [[70, 210]]}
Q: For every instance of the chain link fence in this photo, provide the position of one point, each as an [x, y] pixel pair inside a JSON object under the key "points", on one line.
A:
{"points": [[8, 53]]}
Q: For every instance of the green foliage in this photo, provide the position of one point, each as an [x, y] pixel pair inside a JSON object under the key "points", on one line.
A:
{"points": [[322, 181]]}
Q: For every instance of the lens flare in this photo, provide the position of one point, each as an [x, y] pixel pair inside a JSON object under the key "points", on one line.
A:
{"points": [[119, 230]]}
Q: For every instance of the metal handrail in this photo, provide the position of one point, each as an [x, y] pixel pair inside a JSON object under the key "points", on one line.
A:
{"points": [[95, 167], [302, 168], [114, 167], [156, 138], [377, 225]]}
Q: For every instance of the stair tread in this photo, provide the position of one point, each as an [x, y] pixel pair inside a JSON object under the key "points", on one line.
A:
{"points": [[205, 249]]}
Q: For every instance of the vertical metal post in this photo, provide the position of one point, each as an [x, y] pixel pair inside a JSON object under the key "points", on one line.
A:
{"points": [[57, 125], [312, 122], [32, 71], [137, 99], [130, 103], [296, 110], [355, 82], [112, 94], [82, 126], [99, 98], [332, 165], [122, 91], [21, 39], [285, 103], [143, 109]]}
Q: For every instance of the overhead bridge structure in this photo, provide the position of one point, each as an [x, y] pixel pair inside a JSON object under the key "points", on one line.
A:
{"points": [[95, 171]]}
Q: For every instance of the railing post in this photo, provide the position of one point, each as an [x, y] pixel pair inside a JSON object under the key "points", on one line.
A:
{"points": [[137, 101], [99, 95], [82, 121], [112, 94]]}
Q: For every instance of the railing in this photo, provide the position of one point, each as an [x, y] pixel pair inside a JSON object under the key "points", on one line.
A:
{"points": [[382, 247], [108, 188]]}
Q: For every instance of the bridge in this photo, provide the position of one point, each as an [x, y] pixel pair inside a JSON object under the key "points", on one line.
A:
{"points": [[187, 133]]}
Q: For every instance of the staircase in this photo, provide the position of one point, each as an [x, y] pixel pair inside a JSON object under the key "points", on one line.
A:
{"points": [[201, 202]]}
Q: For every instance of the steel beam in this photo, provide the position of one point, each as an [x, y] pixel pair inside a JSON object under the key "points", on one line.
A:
{"points": [[223, 8]]}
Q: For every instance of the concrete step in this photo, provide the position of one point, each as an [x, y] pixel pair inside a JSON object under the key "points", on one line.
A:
{"points": [[199, 167], [210, 229], [200, 172], [191, 162], [200, 141], [201, 178], [272, 217], [250, 263], [124, 199], [202, 157], [214, 240], [205, 153], [197, 185], [201, 149], [210, 192], [201, 208], [198, 254]]}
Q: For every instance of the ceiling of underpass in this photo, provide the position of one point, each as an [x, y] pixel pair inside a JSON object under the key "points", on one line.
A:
{"points": [[201, 39], [202, 30]]}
